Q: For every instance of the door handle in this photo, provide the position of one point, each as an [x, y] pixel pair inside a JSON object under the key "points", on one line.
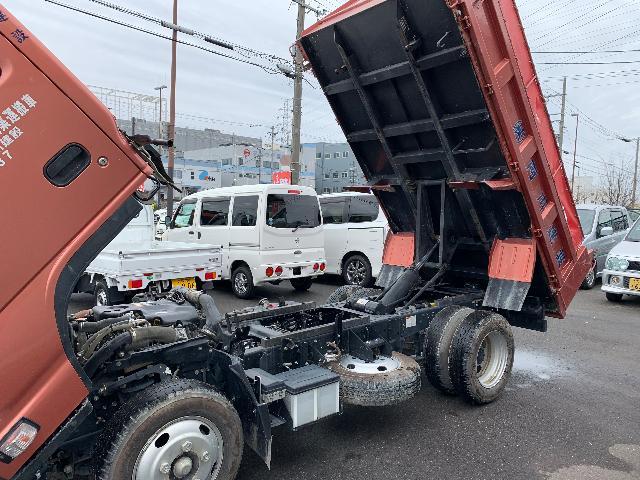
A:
{"points": [[199, 235], [191, 233]]}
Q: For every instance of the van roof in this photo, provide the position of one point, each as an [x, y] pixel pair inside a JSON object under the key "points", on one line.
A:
{"points": [[345, 194], [257, 188]]}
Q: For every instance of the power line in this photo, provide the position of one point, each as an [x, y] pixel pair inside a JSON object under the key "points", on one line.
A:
{"points": [[271, 70], [585, 52], [625, 62]]}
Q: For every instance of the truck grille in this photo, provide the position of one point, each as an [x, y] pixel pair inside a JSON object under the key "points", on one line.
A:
{"points": [[634, 266]]}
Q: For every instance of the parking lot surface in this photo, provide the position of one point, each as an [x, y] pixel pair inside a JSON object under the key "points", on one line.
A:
{"points": [[571, 411]]}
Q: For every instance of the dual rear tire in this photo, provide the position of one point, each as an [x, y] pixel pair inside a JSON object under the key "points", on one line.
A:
{"points": [[469, 353]]}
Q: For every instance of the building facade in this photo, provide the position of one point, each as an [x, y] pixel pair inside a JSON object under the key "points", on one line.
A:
{"points": [[335, 166]]}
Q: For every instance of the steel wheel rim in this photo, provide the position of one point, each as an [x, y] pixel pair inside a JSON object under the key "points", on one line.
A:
{"points": [[101, 298], [376, 367], [356, 272], [591, 278], [492, 359], [241, 283], [186, 448]]}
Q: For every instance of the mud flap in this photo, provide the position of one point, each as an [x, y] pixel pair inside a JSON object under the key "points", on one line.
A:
{"points": [[511, 267]]}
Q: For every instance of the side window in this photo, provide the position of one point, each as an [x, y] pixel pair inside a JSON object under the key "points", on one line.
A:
{"points": [[619, 220], [215, 213], [363, 209], [333, 210], [604, 220], [184, 215], [245, 211]]}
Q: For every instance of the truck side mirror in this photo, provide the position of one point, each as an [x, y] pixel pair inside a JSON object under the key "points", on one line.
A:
{"points": [[606, 231]]}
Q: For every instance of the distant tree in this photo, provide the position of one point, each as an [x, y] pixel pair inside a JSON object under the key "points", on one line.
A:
{"points": [[616, 186]]}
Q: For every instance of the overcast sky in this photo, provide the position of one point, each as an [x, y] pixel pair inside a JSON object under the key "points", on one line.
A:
{"points": [[103, 54]]}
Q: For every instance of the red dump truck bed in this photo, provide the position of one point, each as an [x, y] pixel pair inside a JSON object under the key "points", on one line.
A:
{"points": [[440, 102]]}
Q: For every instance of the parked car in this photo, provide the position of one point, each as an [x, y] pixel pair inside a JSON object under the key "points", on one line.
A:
{"points": [[355, 229], [604, 226], [268, 233], [621, 274], [134, 262]]}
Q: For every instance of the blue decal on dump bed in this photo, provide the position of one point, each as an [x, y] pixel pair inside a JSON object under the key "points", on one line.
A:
{"points": [[519, 131]]}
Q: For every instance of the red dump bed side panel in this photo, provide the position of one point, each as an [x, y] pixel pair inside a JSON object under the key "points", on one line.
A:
{"points": [[440, 102]]}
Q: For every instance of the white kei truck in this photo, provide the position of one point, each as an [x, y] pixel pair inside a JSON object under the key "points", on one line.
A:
{"points": [[134, 262]]}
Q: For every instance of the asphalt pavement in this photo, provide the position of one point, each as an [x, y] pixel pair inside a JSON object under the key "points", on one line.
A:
{"points": [[571, 411]]}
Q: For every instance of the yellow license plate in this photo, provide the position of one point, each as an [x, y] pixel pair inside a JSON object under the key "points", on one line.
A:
{"points": [[634, 284], [184, 282]]}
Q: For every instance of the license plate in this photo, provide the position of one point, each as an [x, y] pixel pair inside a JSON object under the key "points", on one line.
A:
{"points": [[184, 282], [634, 284]]}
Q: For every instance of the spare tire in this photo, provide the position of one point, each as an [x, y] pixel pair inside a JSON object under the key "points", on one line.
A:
{"points": [[385, 381], [437, 346], [340, 294]]}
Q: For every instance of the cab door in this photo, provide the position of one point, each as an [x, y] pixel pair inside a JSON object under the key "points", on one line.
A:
{"points": [[213, 226], [182, 228]]}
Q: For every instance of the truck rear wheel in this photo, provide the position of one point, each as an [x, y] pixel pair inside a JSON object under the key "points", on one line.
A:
{"points": [[437, 346], [176, 429], [481, 357], [385, 381], [242, 282], [103, 295]]}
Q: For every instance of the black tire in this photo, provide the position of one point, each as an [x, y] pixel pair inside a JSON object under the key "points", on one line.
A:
{"points": [[379, 389], [590, 281], [242, 282], [302, 284], [104, 295], [361, 292], [144, 417], [475, 376], [614, 297], [341, 294], [356, 270], [437, 346]]}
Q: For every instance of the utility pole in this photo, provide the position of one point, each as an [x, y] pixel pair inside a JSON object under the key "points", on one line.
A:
{"points": [[172, 109], [575, 148], [635, 173], [160, 88], [562, 113], [297, 100], [273, 136]]}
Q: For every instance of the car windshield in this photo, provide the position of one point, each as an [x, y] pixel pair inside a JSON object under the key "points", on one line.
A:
{"points": [[586, 220], [293, 211], [634, 233]]}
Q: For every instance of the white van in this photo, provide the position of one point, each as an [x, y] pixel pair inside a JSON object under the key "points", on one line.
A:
{"points": [[268, 233], [355, 229]]}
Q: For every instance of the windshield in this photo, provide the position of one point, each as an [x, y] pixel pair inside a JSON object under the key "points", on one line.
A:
{"points": [[634, 233], [293, 211], [586, 220]]}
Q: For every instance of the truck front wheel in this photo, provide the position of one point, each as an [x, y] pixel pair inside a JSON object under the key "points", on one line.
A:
{"points": [[481, 357], [175, 429], [242, 282]]}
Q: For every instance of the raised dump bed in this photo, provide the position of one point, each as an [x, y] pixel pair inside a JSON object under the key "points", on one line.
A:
{"points": [[440, 102]]}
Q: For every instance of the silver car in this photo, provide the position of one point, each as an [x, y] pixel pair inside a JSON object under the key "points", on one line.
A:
{"points": [[604, 226], [621, 275]]}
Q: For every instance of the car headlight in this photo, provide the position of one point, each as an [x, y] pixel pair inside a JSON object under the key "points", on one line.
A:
{"points": [[617, 264]]}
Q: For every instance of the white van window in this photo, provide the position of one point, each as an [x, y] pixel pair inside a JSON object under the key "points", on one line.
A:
{"points": [[363, 209], [184, 215], [214, 212], [333, 210], [619, 220], [245, 211], [292, 211]]}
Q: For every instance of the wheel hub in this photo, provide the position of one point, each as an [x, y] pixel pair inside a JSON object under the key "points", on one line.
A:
{"points": [[492, 359], [188, 448], [377, 366], [241, 283], [356, 272]]}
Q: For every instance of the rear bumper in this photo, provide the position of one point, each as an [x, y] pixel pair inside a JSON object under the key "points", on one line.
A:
{"points": [[621, 286], [123, 281], [306, 270]]}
